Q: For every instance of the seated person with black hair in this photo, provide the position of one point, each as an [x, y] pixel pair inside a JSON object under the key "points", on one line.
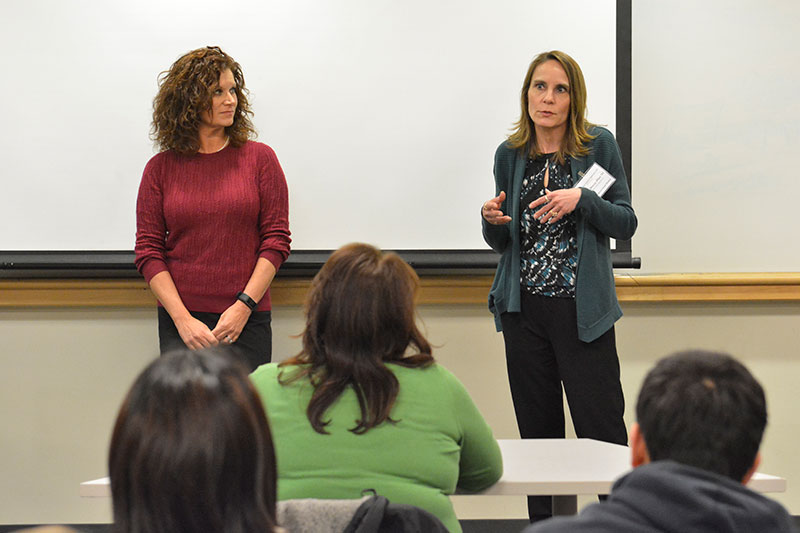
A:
{"points": [[701, 416], [191, 450]]}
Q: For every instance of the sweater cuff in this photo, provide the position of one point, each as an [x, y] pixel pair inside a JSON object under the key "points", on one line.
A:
{"points": [[151, 268], [273, 257]]}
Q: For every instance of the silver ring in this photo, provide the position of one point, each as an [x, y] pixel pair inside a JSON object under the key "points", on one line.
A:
{"points": [[228, 338]]}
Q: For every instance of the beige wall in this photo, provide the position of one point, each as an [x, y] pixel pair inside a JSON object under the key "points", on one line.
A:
{"points": [[66, 371]]}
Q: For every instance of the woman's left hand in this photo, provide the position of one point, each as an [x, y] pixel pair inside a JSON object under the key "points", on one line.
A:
{"points": [[231, 323], [556, 204]]}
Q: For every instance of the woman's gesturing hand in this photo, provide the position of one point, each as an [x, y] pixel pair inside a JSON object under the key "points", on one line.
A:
{"points": [[555, 204], [491, 210]]}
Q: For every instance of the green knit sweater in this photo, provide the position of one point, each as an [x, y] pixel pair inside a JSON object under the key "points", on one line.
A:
{"points": [[597, 219], [439, 442]]}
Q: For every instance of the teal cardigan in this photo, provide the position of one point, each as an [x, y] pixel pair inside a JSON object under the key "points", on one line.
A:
{"points": [[597, 219]]}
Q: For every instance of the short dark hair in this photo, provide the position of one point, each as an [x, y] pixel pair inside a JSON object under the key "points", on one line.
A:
{"points": [[184, 93], [360, 314], [191, 449], [703, 409]]}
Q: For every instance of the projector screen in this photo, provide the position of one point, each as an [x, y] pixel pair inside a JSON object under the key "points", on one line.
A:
{"points": [[385, 115]]}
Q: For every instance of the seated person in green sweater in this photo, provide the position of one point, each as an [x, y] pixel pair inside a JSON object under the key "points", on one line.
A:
{"points": [[364, 406]]}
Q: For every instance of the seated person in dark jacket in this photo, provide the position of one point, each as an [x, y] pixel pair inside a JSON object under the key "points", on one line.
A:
{"points": [[701, 416]]}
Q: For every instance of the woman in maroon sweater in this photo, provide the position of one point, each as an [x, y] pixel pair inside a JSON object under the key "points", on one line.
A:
{"points": [[212, 213]]}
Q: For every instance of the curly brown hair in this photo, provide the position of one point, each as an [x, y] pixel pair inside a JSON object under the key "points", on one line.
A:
{"points": [[185, 92]]}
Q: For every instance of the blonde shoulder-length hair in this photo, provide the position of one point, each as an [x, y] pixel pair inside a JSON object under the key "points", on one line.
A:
{"points": [[577, 136]]}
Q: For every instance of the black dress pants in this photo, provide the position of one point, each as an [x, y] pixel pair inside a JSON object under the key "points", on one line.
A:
{"points": [[542, 353], [253, 347]]}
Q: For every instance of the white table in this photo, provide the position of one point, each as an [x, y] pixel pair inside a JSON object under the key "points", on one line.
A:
{"points": [[563, 468], [96, 488]]}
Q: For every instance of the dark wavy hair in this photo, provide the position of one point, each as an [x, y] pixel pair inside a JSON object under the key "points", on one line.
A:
{"points": [[184, 94], [191, 450], [523, 136], [703, 409], [360, 314]]}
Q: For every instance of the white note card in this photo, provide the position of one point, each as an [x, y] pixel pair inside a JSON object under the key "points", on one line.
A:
{"points": [[596, 179]]}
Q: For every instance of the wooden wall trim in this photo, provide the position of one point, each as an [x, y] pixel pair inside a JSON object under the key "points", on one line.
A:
{"points": [[435, 290], [711, 287]]}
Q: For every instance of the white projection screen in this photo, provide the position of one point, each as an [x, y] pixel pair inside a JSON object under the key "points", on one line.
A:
{"points": [[384, 114]]}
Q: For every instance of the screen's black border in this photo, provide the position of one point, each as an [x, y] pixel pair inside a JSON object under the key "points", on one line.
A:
{"points": [[302, 263], [119, 264], [623, 251]]}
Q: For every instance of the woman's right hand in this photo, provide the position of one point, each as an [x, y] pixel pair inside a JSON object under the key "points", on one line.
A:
{"points": [[491, 210], [195, 334]]}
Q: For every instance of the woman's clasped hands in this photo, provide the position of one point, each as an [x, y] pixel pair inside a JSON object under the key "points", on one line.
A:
{"points": [[553, 206]]}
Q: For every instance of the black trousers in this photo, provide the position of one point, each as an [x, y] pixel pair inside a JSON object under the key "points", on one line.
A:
{"points": [[253, 347], [542, 353]]}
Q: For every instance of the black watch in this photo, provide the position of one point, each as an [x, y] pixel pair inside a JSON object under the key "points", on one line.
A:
{"points": [[249, 302]]}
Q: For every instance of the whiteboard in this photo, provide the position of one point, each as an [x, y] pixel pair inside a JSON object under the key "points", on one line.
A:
{"points": [[384, 114]]}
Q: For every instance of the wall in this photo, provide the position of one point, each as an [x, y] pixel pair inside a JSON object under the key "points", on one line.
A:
{"points": [[67, 371]]}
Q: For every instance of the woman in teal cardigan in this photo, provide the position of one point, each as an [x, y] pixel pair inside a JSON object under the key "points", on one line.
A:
{"points": [[553, 295], [364, 406]]}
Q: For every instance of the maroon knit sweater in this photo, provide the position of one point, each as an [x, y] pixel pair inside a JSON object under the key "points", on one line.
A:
{"points": [[207, 218]]}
